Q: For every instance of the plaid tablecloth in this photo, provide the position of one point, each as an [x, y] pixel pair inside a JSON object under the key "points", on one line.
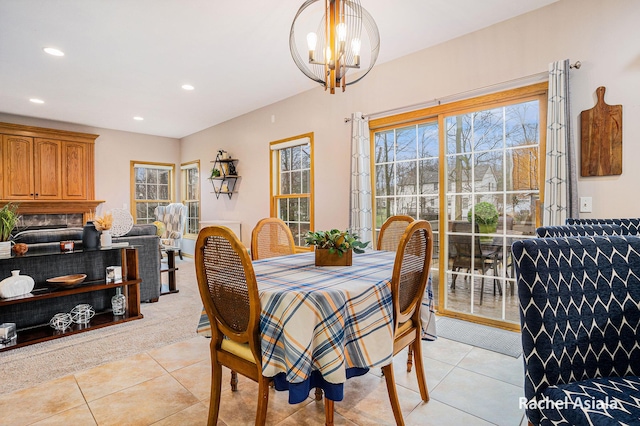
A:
{"points": [[328, 320], [322, 325]]}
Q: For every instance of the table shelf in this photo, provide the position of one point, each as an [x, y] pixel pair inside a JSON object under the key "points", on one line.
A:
{"points": [[36, 333]]}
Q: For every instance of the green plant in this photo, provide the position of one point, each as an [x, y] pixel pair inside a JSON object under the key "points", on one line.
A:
{"points": [[8, 220], [485, 214], [336, 241], [215, 173]]}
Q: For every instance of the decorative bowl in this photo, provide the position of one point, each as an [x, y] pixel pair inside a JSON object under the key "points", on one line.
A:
{"points": [[67, 280]]}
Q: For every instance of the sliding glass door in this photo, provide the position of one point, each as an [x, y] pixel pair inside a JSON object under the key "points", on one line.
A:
{"points": [[473, 170], [491, 193]]}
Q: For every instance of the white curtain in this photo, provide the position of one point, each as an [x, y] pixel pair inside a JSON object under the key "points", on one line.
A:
{"points": [[361, 203], [560, 186]]}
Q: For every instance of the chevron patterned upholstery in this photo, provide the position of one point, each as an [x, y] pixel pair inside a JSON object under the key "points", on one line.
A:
{"points": [[580, 316], [174, 217], [577, 230], [629, 226]]}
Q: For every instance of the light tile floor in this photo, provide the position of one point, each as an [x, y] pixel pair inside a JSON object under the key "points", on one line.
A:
{"points": [[170, 386]]}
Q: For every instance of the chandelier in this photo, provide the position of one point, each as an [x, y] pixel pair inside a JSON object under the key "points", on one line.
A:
{"points": [[337, 46]]}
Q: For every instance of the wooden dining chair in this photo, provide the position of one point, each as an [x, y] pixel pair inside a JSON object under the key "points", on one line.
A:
{"points": [[271, 237], [408, 283], [388, 239], [229, 292], [391, 231]]}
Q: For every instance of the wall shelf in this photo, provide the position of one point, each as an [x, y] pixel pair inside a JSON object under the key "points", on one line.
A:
{"points": [[225, 183]]}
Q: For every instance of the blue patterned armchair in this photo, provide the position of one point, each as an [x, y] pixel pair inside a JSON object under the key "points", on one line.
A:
{"points": [[577, 230], [580, 315], [629, 226]]}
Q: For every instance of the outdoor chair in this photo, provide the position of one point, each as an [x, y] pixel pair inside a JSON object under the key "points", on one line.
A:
{"points": [[469, 253]]}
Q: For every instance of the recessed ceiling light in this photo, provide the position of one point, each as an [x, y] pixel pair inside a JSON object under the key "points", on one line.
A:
{"points": [[138, 118], [53, 51], [36, 101], [187, 87]]}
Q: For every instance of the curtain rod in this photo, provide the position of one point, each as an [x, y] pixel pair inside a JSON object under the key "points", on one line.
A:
{"points": [[521, 81]]}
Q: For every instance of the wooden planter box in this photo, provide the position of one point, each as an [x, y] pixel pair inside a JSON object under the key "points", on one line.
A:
{"points": [[324, 258]]}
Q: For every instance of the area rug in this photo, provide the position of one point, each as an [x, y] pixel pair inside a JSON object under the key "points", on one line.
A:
{"points": [[490, 338], [172, 319]]}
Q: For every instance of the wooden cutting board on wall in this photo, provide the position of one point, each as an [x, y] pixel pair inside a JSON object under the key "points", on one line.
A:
{"points": [[601, 138]]}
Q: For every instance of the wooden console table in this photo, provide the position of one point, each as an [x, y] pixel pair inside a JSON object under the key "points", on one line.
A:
{"points": [[130, 285]]}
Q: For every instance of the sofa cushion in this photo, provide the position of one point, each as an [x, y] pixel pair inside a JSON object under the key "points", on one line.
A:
{"points": [[137, 230], [35, 236], [578, 230], [629, 226], [601, 401]]}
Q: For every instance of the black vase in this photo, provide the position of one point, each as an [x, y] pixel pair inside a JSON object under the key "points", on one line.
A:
{"points": [[90, 236]]}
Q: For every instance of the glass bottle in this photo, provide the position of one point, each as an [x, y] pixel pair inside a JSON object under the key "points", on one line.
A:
{"points": [[118, 302]]}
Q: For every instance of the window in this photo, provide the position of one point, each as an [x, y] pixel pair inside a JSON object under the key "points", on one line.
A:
{"points": [[151, 187], [191, 195], [406, 172], [292, 184]]}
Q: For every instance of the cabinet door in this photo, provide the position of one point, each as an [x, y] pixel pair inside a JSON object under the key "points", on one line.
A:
{"points": [[47, 169], [74, 170], [18, 167]]}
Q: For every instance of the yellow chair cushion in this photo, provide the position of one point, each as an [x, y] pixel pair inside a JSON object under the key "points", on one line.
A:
{"points": [[404, 327], [241, 350]]}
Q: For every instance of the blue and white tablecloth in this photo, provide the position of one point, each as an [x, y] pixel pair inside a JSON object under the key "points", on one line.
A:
{"points": [[322, 325]]}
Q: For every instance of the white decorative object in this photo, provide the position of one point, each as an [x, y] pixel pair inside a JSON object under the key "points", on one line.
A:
{"points": [[119, 302], [16, 285], [105, 239], [8, 335], [82, 313], [122, 222], [60, 321], [114, 274], [5, 248]]}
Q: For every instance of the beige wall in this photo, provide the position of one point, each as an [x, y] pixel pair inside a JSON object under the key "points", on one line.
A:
{"points": [[113, 152], [601, 34]]}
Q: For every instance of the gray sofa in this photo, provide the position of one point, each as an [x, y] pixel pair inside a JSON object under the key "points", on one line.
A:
{"points": [[143, 236], [92, 263]]}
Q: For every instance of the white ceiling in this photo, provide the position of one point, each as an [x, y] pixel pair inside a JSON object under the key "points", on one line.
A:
{"points": [[130, 57]]}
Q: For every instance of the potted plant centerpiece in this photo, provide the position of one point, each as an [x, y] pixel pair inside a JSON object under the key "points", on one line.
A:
{"points": [[8, 220], [486, 216], [335, 247]]}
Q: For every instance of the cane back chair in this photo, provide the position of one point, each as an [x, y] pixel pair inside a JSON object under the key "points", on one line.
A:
{"points": [[229, 292], [271, 237], [408, 283]]}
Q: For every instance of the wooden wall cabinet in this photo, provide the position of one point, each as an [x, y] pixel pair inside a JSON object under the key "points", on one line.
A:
{"points": [[47, 171], [46, 164]]}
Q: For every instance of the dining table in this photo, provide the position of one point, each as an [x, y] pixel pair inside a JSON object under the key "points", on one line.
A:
{"points": [[322, 325]]}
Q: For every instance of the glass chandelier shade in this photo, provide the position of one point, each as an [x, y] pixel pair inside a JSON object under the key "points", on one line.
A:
{"points": [[338, 45]]}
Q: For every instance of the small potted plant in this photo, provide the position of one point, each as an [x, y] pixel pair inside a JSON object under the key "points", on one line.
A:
{"points": [[335, 247], [8, 220], [486, 216], [214, 173]]}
